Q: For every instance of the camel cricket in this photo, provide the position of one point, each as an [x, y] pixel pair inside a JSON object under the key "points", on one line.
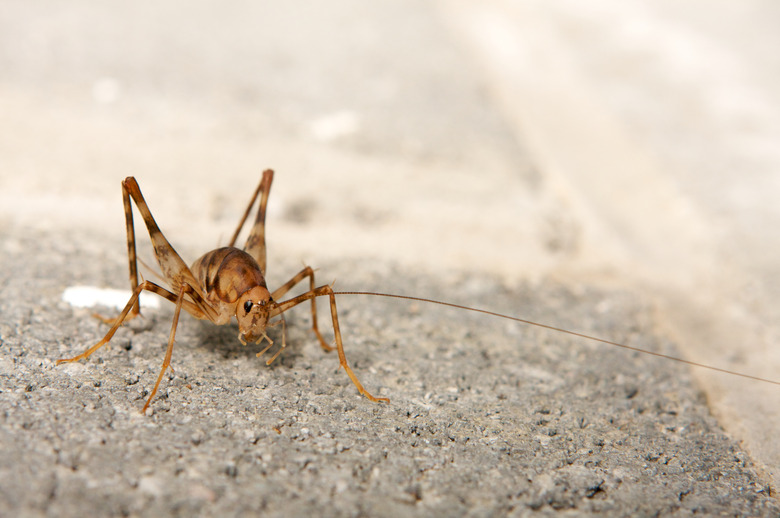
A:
{"points": [[221, 284], [229, 282]]}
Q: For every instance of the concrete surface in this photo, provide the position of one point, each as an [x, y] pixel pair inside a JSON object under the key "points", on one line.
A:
{"points": [[660, 120], [403, 166], [485, 418]]}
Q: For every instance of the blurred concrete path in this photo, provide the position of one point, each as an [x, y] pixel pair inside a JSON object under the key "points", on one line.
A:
{"points": [[662, 121]]}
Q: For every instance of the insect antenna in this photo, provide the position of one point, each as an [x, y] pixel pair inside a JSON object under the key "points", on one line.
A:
{"points": [[560, 330]]}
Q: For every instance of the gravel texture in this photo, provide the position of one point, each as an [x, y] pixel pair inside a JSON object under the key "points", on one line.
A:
{"points": [[486, 416]]}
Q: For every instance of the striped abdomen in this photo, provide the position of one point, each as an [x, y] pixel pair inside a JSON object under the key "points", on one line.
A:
{"points": [[226, 273]]}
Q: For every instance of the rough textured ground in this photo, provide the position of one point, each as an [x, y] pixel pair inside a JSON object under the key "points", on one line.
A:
{"points": [[486, 416]]}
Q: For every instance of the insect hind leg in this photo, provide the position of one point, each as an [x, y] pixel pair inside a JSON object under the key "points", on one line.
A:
{"points": [[174, 269], [255, 243], [132, 258]]}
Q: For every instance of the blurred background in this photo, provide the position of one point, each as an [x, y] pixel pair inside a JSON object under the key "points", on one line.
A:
{"points": [[628, 143]]}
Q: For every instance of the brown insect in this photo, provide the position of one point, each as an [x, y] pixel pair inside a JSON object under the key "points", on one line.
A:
{"points": [[229, 282], [224, 283]]}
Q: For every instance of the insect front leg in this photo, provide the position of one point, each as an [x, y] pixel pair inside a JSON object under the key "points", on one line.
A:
{"points": [[279, 293], [321, 292]]}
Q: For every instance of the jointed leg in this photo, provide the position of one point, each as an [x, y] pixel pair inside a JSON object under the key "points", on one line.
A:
{"points": [[174, 269], [255, 243], [180, 302], [146, 285], [319, 292], [169, 351], [131, 253], [279, 293]]}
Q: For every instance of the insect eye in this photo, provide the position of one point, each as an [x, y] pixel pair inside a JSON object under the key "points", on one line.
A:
{"points": [[247, 306]]}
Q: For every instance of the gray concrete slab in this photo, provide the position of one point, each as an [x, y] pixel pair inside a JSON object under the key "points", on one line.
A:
{"points": [[484, 417]]}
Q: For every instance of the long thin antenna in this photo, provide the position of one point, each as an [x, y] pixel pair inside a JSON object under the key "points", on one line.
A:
{"points": [[560, 330]]}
